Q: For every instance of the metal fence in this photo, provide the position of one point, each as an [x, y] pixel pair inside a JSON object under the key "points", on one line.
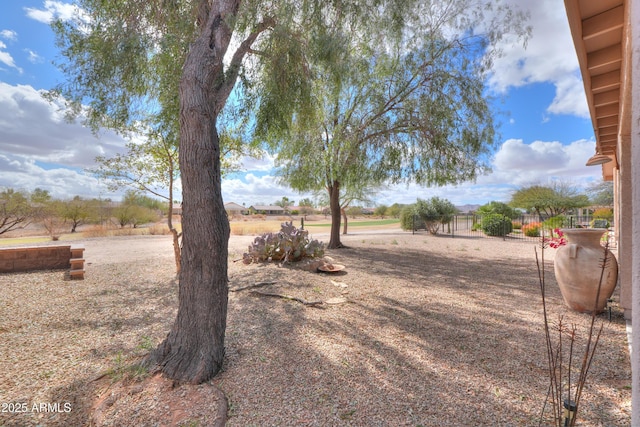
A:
{"points": [[471, 226]]}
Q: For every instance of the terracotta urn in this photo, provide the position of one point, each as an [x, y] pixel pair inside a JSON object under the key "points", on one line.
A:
{"points": [[578, 267]]}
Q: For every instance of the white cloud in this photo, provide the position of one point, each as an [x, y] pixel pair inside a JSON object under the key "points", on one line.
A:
{"points": [[53, 10], [9, 35], [514, 165], [33, 134], [549, 57], [522, 164], [255, 189], [251, 164], [21, 173], [30, 126], [33, 57], [7, 59]]}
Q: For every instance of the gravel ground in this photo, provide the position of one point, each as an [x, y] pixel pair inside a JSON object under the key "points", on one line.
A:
{"points": [[425, 330]]}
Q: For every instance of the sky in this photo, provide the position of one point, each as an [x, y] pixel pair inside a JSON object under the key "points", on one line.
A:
{"points": [[545, 130]]}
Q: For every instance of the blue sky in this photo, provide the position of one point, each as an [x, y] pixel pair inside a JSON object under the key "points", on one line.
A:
{"points": [[545, 130]]}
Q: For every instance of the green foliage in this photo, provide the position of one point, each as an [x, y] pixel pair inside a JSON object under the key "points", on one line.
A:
{"points": [[15, 210], [306, 202], [381, 211], [290, 244], [394, 210], [548, 201], [391, 110], [517, 225], [498, 208], [601, 193], [40, 196], [603, 213], [496, 225], [354, 211], [284, 203], [410, 219], [434, 212], [79, 211], [134, 215], [555, 222]]}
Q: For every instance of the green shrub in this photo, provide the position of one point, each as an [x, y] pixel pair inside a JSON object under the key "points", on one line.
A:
{"points": [[554, 222], [435, 212], [409, 219], [532, 229], [517, 225], [498, 208], [496, 225], [477, 226]]}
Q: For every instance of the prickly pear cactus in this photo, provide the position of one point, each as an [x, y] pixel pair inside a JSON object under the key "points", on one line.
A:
{"points": [[290, 244]]}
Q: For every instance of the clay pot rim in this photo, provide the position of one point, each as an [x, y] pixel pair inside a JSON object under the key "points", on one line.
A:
{"points": [[583, 230]]}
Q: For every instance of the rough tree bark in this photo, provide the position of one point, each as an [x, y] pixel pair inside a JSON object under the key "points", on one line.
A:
{"points": [[193, 351], [334, 206], [345, 219]]}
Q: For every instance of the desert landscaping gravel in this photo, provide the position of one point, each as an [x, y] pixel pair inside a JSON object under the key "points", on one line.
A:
{"points": [[417, 330]]}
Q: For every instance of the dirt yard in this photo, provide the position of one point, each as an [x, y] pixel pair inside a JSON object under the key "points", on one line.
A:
{"points": [[425, 330]]}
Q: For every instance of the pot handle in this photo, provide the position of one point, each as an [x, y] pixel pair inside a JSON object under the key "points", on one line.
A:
{"points": [[573, 250]]}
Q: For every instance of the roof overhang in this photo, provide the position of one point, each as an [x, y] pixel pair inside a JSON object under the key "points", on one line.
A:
{"points": [[600, 35]]}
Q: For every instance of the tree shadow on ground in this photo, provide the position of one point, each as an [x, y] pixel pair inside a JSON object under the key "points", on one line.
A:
{"points": [[468, 335]]}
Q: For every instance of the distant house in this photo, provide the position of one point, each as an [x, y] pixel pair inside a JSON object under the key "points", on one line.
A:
{"points": [[177, 208], [235, 209], [368, 211], [267, 209]]}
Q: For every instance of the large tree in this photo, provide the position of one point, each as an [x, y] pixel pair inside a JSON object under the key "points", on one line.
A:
{"points": [[15, 210], [410, 109], [601, 193], [548, 201], [124, 58]]}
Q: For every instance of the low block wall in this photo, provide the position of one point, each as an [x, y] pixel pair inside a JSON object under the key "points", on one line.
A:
{"points": [[35, 258]]}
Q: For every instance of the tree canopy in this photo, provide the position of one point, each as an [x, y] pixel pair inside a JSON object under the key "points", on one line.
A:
{"points": [[548, 201], [413, 109], [601, 193], [15, 210]]}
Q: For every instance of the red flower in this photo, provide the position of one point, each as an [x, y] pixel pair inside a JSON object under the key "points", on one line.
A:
{"points": [[557, 239]]}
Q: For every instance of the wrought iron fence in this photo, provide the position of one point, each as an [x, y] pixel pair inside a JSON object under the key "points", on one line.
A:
{"points": [[525, 227]]}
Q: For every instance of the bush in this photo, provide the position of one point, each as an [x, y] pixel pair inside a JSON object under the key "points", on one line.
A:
{"points": [[496, 225], [498, 208], [554, 222], [517, 225], [435, 212], [603, 213], [409, 219], [290, 244], [532, 229]]}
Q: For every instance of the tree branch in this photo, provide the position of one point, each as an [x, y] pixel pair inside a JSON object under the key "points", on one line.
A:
{"points": [[236, 61]]}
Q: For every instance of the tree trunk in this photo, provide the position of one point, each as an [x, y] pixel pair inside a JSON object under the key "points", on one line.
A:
{"points": [[174, 233], [344, 218], [193, 351], [334, 206]]}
